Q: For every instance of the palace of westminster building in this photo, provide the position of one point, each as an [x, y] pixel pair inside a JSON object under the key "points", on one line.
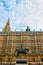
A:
{"points": [[12, 40]]}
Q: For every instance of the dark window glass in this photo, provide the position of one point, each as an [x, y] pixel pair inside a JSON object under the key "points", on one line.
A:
{"points": [[5, 38], [31, 37], [3, 52], [40, 51], [11, 37], [10, 44], [39, 43], [18, 37], [33, 51], [38, 37], [25, 37], [3, 44], [18, 44], [32, 44], [9, 51], [25, 44]]}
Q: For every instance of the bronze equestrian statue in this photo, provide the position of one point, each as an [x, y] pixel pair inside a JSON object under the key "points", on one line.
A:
{"points": [[21, 51]]}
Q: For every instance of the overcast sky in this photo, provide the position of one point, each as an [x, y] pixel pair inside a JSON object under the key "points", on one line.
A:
{"points": [[22, 13]]}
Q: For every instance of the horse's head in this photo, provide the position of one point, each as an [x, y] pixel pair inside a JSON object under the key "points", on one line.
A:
{"points": [[26, 49], [16, 50]]}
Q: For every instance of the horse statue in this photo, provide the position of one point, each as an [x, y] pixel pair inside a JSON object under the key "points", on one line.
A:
{"points": [[21, 51]]}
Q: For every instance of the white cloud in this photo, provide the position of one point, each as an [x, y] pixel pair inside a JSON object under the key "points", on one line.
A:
{"points": [[23, 13]]}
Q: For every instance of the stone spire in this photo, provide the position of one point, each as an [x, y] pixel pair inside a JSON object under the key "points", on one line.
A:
{"points": [[7, 27], [8, 23]]}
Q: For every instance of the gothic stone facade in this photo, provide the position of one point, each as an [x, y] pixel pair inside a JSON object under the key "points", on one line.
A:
{"points": [[10, 41]]}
